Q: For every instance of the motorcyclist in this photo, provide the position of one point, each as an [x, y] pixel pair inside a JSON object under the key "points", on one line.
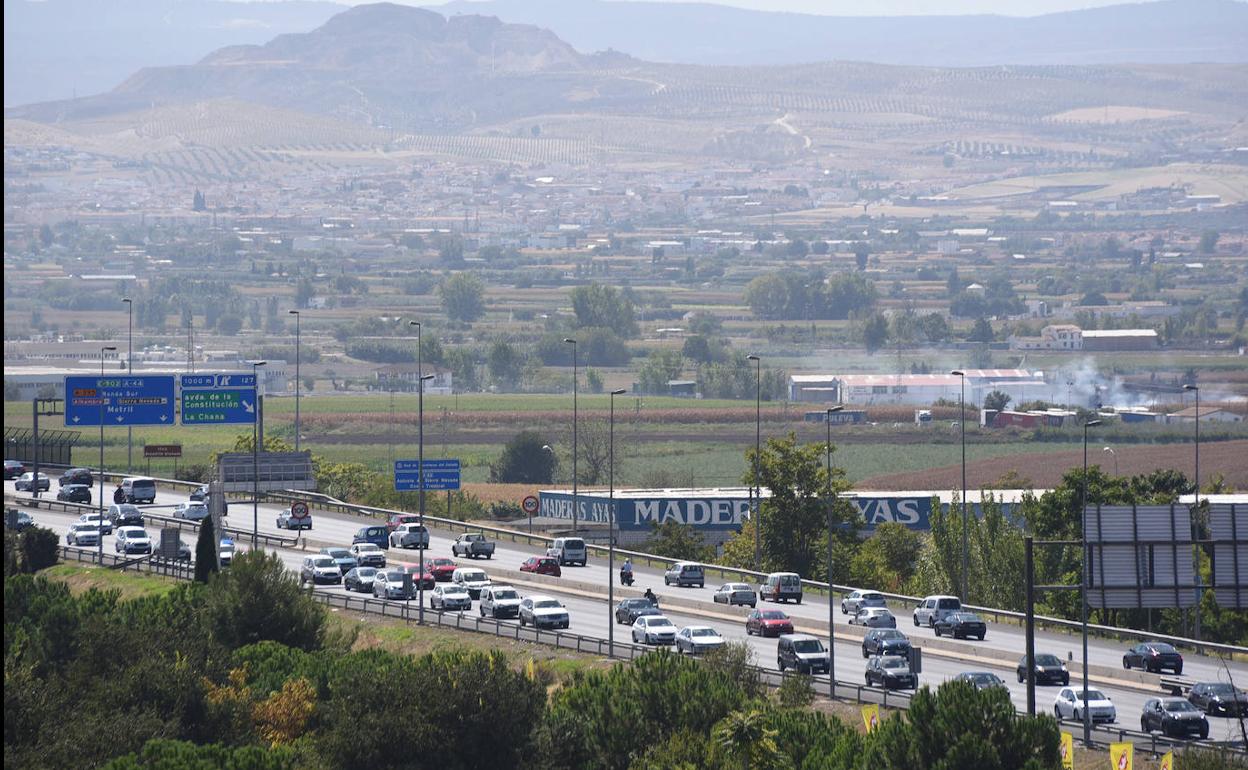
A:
{"points": [[626, 572], [653, 599], [119, 495]]}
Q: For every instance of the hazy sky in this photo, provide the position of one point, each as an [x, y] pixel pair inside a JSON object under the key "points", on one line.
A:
{"points": [[889, 7]]}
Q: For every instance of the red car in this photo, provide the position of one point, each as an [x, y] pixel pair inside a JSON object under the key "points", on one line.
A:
{"points": [[398, 519], [768, 623], [427, 581], [542, 565], [441, 567]]}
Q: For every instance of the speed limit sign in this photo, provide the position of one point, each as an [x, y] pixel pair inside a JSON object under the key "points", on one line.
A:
{"points": [[298, 510], [530, 505]]}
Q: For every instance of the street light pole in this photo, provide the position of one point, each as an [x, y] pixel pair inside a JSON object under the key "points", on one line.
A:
{"points": [[1199, 591], [100, 394], [756, 514], [295, 313], [966, 558], [575, 502], [129, 370], [611, 529], [831, 615], [420, 463], [255, 459], [553, 478], [1083, 585], [1113, 454]]}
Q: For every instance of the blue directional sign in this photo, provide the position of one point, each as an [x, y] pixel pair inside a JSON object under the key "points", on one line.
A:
{"points": [[218, 399], [439, 475], [119, 400]]}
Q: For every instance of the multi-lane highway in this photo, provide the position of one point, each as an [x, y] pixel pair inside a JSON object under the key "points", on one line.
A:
{"points": [[583, 591]]}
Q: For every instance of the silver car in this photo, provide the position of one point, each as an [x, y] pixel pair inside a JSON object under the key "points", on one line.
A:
{"points": [[653, 629], [94, 520], [132, 540], [81, 534], [697, 640], [874, 617], [191, 511], [736, 593], [543, 611], [448, 596], [856, 600]]}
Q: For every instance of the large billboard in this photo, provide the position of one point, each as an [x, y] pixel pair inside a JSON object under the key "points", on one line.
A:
{"points": [[1228, 528], [1140, 556]]}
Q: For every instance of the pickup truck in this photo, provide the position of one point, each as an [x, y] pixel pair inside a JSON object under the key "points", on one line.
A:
{"points": [[474, 545]]}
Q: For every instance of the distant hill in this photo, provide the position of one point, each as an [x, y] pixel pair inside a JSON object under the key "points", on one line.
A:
{"points": [[58, 49], [1169, 31]]}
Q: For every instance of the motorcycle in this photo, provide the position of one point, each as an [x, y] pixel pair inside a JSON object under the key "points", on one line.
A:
{"points": [[626, 578]]}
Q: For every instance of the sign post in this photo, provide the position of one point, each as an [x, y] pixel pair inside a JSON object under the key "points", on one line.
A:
{"points": [[162, 450], [218, 399], [530, 505], [123, 400], [441, 475]]}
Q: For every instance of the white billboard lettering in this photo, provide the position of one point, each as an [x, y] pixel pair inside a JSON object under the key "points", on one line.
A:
{"points": [[645, 510], [699, 512]]}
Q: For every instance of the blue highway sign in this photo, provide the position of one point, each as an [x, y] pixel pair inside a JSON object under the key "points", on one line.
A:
{"points": [[126, 400], [218, 399], [439, 475]]}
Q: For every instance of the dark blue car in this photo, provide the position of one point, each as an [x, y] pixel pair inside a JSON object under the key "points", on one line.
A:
{"points": [[376, 534]]}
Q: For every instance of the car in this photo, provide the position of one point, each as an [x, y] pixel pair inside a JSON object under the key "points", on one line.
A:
{"points": [[448, 596], [360, 579], [377, 535], [320, 569], [1219, 699], [982, 680], [75, 476], [74, 493], [184, 551], [388, 584], [138, 489], [202, 494], [802, 652], [856, 600], [874, 617], [1069, 705], [473, 545], [1049, 670], [1173, 717], [426, 580], [225, 551], [961, 625], [13, 469], [441, 568], [569, 551], [131, 540], [81, 534], [890, 672], [398, 519], [543, 612], [472, 579], [885, 641], [21, 521], [125, 515], [288, 520], [499, 602], [736, 593], [368, 555], [25, 482], [191, 511], [933, 608], [342, 557], [628, 610], [768, 623], [409, 536], [653, 629], [685, 573], [93, 520], [696, 640], [542, 565], [782, 587], [1153, 657]]}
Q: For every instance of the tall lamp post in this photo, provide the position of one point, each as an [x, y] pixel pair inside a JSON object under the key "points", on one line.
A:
{"points": [[1114, 455], [1083, 585], [611, 529], [100, 394], [554, 458], [420, 463], [966, 558], [255, 460], [756, 514], [831, 616], [295, 313], [575, 502], [1196, 609], [129, 370]]}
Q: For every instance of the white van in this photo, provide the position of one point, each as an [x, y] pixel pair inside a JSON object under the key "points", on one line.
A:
{"points": [[569, 550], [782, 587], [139, 489], [934, 608]]}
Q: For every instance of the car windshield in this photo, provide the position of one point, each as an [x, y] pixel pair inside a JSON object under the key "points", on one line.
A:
{"points": [[574, 542], [135, 533], [872, 597], [890, 634], [436, 562], [324, 562], [808, 645], [703, 632], [367, 548], [789, 580], [1092, 695], [1047, 660], [658, 621], [1220, 689], [365, 571], [983, 678], [894, 663], [395, 575], [1162, 648], [476, 575], [948, 604], [773, 615], [338, 553], [506, 595], [637, 603], [457, 590], [967, 617], [737, 587], [546, 604]]}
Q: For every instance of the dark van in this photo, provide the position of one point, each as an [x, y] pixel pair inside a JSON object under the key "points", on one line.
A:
{"points": [[377, 534]]}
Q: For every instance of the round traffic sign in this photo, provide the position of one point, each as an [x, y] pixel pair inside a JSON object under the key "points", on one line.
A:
{"points": [[298, 509], [529, 504]]}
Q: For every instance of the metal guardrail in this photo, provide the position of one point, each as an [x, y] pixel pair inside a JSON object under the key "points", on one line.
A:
{"points": [[150, 564], [750, 576]]}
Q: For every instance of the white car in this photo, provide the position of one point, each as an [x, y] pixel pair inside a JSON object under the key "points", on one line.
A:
{"points": [[94, 520], [409, 536], [225, 551], [499, 602], [448, 596], [82, 534], [856, 600], [696, 640], [543, 611], [191, 511], [368, 555], [132, 540], [874, 617], [653, 629], [1069, 705], [472, 579]]}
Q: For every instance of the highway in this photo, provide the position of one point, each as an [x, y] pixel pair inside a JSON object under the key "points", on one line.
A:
{"points": [[583, 591]]}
